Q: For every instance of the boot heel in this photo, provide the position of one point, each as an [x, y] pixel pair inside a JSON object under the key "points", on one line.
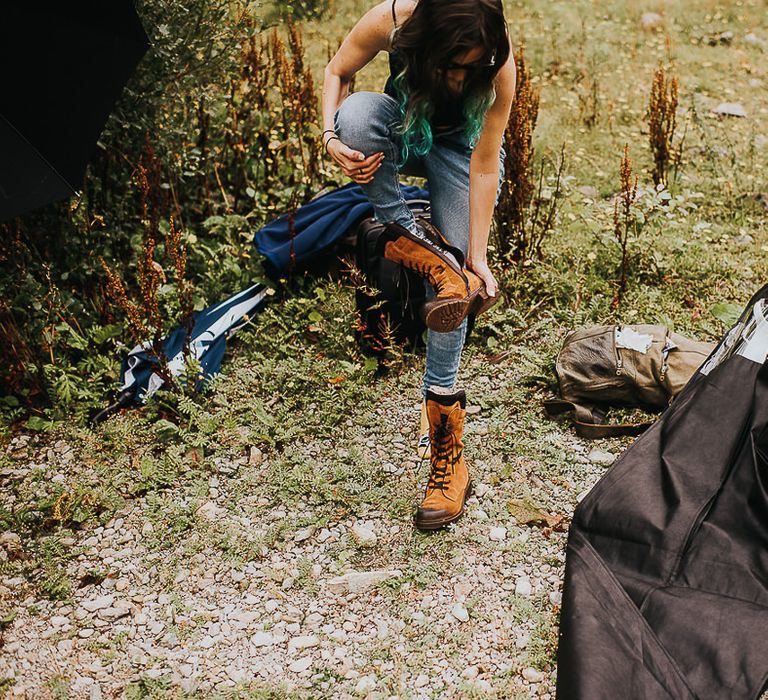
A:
{"points": [[484, 302]]}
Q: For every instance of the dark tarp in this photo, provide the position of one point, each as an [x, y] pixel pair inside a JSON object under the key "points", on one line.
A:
{"points": [[63, 65], [666, 582]]}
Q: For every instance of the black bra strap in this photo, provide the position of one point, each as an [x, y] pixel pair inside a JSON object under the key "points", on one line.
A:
{"points": [[394, 17]]}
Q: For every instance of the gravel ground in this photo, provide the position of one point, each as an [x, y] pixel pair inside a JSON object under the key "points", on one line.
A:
{"points": [[357, 605]]}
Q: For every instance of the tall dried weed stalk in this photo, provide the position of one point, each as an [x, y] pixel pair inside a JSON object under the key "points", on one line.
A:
{"points": [[144, 316], [662, 121], [527, 208], [272, 133], [518, 185], [624, 223], [588, 92]]}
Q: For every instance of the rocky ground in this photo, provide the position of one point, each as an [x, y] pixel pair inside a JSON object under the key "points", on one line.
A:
{"points": [[288, 599]]}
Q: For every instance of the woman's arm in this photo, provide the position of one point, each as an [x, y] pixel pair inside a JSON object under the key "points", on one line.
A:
{"points": [[369, 36], [484, 174]]}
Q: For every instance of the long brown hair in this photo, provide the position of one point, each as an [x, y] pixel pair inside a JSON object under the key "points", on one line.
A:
{"points": [[436, 33]]}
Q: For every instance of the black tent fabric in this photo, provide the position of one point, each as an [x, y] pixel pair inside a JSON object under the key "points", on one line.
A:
{"points": [[666, 583]]}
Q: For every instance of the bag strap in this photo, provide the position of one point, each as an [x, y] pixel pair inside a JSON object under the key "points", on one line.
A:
{"points": [[589, 420]]}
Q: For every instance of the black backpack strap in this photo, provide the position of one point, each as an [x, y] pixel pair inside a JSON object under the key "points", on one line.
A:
{"points": [[589, 420], [591, 431]]}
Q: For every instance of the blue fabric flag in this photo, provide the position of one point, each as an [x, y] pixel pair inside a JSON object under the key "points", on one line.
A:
{"points": [[318, 223], [207, 343]]}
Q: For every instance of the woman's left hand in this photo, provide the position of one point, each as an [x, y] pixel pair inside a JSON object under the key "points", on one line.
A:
{"points": [[481, 269]]}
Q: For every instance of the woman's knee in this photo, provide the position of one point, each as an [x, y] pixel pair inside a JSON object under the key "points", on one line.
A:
{"points": [[364, 118]]}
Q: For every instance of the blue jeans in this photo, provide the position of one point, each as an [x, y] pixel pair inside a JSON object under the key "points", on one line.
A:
{"points": [[366, 121]]}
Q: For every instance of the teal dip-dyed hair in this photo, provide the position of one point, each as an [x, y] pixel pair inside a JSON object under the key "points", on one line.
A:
{"points": [[416, 128], [436, 34]]}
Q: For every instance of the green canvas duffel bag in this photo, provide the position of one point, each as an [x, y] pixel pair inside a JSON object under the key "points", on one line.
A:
{"points": [[641, 366]]}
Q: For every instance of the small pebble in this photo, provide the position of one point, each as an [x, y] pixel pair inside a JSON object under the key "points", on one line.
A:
{"points": [[301, 664], [532, 675], [601, 457], [363, 535], [498, 534], [262, 639], [523, 586], [365, 684]]}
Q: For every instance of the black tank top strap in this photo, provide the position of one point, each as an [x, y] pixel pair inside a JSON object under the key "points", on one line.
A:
{"points": [[394, 16]]}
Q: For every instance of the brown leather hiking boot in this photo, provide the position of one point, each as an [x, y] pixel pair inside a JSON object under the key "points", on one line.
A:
{"points": [[449, 485], [426, 254], [458, 291], [478, 299]]}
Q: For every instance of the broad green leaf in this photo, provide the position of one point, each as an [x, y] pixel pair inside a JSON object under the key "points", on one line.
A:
{"points": [[727, 313]]}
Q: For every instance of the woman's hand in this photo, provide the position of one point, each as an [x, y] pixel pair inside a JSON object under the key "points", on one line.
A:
{"points": [[481, 269], [353, 163]]}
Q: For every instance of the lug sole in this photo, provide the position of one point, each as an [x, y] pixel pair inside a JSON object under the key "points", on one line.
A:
{"points": [[437, 524], [445, 315]]}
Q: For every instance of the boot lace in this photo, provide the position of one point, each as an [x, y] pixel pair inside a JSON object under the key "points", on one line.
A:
{"points": [[445, 455], [426, 270]]}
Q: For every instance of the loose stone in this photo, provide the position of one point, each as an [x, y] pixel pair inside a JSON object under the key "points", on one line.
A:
{"points": [[363, 535], [303, 642], [498, 534], [460, 612], [523, 586], [601, 457], [98, 603], [532, 675], [304, 534], [262, 639], [421, 680], [357, 581], [301, 665], [365, 684]]}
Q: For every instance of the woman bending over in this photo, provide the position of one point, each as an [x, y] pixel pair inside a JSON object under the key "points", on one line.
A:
{"points": [[442, 116]]}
